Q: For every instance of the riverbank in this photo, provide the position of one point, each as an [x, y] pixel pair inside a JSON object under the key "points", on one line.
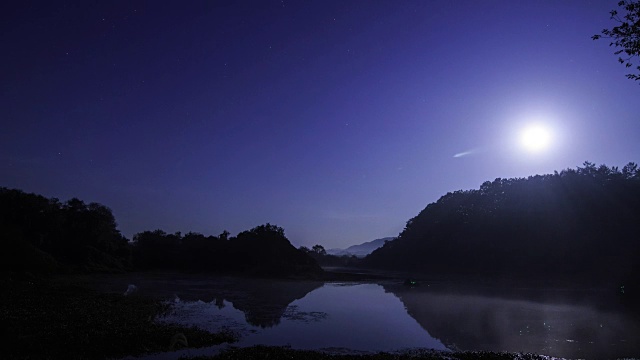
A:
{"points": [[271, 352], [47, 319], [89, 317]]}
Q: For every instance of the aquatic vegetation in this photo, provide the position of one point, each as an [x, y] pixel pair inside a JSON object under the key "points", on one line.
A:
{"points": [[45, 320], [293, 313]]}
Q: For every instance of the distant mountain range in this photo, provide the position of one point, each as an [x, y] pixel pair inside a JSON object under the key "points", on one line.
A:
{"points": [[360, 250]]}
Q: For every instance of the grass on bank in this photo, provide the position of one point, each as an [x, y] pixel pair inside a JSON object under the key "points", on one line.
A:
{"points": [[41, 320]]}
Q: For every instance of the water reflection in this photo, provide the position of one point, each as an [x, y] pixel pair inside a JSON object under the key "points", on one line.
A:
{"points": [[390, 316], [262, 301], [265, 302], [350, 316], [499, 323], [360, 317]]}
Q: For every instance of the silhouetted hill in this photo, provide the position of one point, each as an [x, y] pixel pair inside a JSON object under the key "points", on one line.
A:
{"points": [[579, 225], [261, 251], [41, 235], [360, 250]]}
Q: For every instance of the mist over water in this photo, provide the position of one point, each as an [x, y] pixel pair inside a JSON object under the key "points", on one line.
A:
{"points": [[559, 323], [388, 316]]}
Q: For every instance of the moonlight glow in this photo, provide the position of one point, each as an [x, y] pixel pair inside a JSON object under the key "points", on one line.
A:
{"points": [[535, 138]]}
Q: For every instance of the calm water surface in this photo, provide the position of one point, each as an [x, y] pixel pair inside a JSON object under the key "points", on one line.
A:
{"points": [[351, 316], [388, 316]]}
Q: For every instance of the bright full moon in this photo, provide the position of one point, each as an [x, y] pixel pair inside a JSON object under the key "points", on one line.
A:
{"points": [[535, 138]]}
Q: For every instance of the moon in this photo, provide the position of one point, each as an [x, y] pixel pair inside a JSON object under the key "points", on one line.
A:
{"points": [[535, 138]]}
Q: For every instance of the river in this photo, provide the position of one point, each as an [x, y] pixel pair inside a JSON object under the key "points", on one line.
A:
{"points": [[388, 316]]}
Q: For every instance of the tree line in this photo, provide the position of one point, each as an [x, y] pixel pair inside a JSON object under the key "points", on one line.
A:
{"points": [[263, 250], [578, 225], [42, 235], [319, 254], [46, 235]]}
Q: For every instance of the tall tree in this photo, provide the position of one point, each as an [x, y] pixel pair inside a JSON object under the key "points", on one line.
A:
{"points": [[625, 36], [319, 249]]}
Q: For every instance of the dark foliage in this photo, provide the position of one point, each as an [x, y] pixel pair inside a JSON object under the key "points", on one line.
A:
{"points": [[262, 251], [41, 320], [45, 235], [578, 226], [318, 253], [626, 34]]}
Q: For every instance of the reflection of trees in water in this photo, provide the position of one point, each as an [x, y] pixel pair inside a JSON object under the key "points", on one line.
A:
{"points": [[219, 301], [476, 322], [263, 301]]}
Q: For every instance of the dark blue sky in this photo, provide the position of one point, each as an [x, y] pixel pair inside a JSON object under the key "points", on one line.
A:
{"points": [[338, 120]]}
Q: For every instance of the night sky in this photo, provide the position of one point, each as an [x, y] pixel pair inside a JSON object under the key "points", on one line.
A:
{"points": [[337, 120]]}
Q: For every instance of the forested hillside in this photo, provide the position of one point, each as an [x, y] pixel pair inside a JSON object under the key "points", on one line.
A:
{"points": [[46, 235], [41, 235], [578, 225], [263, 250]]}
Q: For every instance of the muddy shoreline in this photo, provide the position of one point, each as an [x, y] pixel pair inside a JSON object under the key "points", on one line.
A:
{"points": [[63, 318]]}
